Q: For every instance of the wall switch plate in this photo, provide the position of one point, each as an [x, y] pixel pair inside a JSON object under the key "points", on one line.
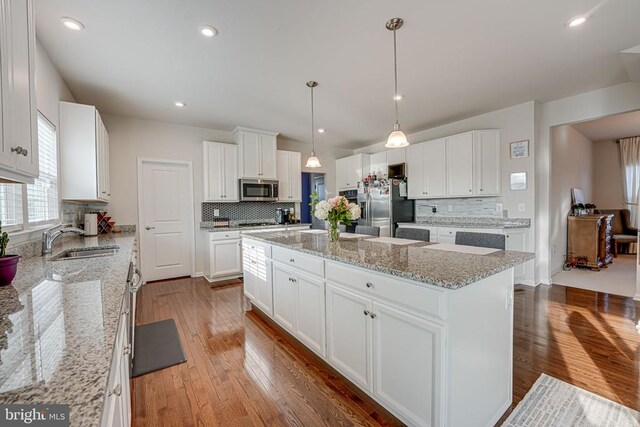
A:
{"points": [[498, 207], [450, 208], [521, 207], [216, 212]]}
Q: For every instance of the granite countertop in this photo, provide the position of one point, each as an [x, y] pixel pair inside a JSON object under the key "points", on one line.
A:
{"points": [[472, 222], [58, 323], [446, 269], [209, 227]]}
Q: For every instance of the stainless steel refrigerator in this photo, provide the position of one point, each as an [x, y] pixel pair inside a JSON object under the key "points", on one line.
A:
{"points": [[385, 207]]}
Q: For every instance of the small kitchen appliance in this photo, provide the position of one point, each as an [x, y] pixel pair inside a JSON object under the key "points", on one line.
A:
{"points": [[91, 224]]}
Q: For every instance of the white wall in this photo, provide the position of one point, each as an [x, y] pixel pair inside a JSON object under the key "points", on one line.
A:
{"points": [[607, 175], [517, 124], [131, 138], [587, 106], [50, 88], [572, 156]]}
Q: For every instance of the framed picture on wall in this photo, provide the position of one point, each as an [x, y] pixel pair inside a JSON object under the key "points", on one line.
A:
{"points": [[519, 149]]}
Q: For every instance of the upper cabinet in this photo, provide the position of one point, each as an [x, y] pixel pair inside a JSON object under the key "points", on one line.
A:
{"points": [[289, 176], [379, 164], [18, 113], [463, 165], [350, 170], [256, 153], [84, 154], [396, 156], [487, 147], [460, 165], [220, 172], [426, 169]]}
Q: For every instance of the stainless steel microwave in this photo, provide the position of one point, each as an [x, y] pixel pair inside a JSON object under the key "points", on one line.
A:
{"points": [[258, 190]]}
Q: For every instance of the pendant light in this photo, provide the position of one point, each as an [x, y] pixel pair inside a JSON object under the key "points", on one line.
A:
{"points": [[312, 161], [397, 138]]}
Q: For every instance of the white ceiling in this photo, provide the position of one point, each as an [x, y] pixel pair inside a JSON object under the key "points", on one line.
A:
{"points": [[456, 59], [612, 127]]}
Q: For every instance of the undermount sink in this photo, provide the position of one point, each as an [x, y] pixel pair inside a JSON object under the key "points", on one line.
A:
{"points": [[85, 253]]}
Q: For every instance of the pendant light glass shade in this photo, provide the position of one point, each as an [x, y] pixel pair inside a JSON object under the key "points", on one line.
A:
{"points": [[397, 138], [312, 161]]}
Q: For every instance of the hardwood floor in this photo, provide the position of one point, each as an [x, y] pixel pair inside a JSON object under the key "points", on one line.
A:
{"points": [[243, 371]]}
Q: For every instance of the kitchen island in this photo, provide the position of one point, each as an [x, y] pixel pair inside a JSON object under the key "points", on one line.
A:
{"points": [[426, 332]]}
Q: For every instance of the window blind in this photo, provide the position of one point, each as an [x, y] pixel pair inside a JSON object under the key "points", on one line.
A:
{"points": [[42, 195], [11, 206]]}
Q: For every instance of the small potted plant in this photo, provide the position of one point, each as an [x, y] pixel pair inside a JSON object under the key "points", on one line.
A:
{"points": [[8, 263], [335, 210]]}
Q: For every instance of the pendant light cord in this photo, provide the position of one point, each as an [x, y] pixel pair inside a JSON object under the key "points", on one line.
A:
{"points": [[395, 72], [313, 134]]}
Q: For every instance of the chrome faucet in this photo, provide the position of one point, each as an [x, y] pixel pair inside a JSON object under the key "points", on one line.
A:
{"points": [[48, 236]]}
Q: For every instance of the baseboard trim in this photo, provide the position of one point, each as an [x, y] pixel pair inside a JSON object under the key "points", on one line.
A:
{"points": [[531, 283]]}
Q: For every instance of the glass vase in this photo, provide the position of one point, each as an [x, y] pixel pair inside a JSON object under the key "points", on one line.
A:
{"points": [[334, 232]]}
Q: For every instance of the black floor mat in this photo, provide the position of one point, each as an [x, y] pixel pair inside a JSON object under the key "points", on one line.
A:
{"points": [[157, 346]]}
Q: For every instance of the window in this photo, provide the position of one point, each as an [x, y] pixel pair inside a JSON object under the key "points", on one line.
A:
{"points": [[42, 195], [42, 205]]}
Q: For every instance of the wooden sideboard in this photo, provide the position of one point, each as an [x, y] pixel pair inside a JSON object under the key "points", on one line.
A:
{"points": [[589, 236]]}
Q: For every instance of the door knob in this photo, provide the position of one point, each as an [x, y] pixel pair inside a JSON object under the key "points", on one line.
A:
{"points": [[150, 228]]}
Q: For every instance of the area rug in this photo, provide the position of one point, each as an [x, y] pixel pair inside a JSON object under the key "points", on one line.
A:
{"points": [[552, 402]]}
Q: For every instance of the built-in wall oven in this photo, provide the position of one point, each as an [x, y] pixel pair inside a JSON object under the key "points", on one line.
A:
{"points": [[258, 190]]}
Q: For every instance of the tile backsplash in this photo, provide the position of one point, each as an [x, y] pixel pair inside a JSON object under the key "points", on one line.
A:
{"points": [[243, 210], [472, 207], [73, 212]]}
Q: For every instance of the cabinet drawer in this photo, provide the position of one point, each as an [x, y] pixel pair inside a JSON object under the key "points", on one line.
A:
{"points": [[224, 235], [300, 261], [262, 250], [423, 299]]}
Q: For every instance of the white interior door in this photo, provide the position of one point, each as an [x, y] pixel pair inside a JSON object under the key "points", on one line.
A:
{"points": [[165, 218]]}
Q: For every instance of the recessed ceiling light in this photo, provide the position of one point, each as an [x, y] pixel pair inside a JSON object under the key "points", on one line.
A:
{"points": [[577, 21], [208, 31], [179, 104], [72, 24], [397, 97], [321, 130]]}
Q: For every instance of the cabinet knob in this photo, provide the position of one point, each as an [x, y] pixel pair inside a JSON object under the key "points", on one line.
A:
{"points": [[149, 228], [19, 150], [117, 390], [127, 349], [366, 312], [292, 260], [373, 315], [369, 285], [470, 190]]}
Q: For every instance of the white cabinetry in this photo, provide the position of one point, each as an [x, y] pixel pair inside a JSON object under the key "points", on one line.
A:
{"points": [[225, 255], [407, 363], [396, 156], [488, 165], [426, 167], [463, 165], [220, 172], [298, 298], [18, 114], [256, 153], [379, 164], [460, 165], [117, 404], [349, 349], [350, 170], [289, 176], [84, 154]]}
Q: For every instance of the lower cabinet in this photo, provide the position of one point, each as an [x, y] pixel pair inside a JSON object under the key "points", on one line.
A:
{"points": [[349, 348], [298, 305], [117, 405], [225, 258], [407, 364]]}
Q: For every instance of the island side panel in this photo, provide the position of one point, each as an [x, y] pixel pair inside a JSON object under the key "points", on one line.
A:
{"points": [[480, 351]]}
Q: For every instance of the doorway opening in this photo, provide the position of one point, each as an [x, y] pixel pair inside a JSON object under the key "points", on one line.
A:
{"points": [[311, 182], [594, 205]]}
